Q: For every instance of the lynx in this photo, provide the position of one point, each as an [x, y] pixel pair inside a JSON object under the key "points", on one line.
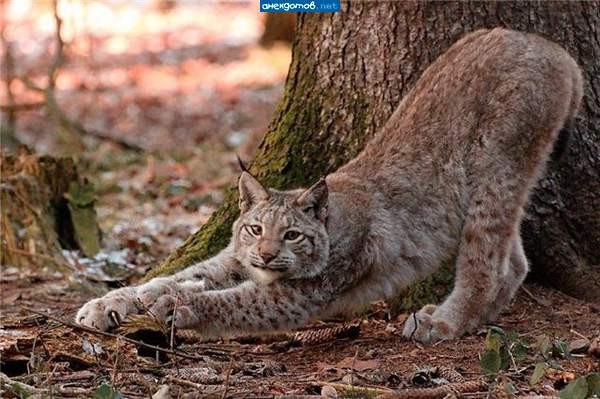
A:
{"points": [[446, 179]]}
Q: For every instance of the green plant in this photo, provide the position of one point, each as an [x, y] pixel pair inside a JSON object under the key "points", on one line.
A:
{"points": [[502, 349], [549, 350], [105, 391], [582, 388]]}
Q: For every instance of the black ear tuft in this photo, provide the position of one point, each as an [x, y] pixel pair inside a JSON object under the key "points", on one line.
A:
{"points": [[241, 163]]}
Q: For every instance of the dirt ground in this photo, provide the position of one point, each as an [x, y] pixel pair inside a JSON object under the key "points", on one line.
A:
{"points": [[66, 361]]}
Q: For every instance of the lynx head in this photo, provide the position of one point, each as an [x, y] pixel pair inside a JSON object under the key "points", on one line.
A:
{"points": [[281, 234]]}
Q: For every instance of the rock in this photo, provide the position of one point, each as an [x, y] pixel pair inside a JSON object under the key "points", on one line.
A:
{"points": [[594, 349], [329, 392], [348, 379], [579, 345], [162, 393]]}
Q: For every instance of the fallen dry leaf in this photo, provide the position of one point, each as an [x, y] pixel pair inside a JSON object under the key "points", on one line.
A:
{"points": [[356, 364]]}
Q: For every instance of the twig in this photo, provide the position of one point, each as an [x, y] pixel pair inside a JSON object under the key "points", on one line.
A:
{"points": [[59, 52], [116, 364], [181, 381], [111, 335], [74, 391], [5, 380], [226, 383], [14, 107], [536, 299], [580, 335]]}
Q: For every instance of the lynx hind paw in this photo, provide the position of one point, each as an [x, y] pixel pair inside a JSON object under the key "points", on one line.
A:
{"points": [[424, 327], [107, 312], [169, 309]]}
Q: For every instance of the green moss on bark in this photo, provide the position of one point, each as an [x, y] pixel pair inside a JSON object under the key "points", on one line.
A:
{"points": [[431, 289]]}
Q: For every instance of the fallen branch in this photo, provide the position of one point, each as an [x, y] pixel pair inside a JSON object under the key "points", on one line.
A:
{"points": [[16, 385], [116, 336], [21, 106], [440, 392], [355, 389]]}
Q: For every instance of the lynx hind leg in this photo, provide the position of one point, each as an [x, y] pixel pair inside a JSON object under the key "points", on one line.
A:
{"points": [[518, 268], [490, 225]]}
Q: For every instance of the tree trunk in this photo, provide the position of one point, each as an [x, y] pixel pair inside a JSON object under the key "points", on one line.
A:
{"points": [[348, 73], [279, 26], [46, 207]]}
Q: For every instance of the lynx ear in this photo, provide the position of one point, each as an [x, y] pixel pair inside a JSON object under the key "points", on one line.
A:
{"points": [[251, 191], [314, 200]]}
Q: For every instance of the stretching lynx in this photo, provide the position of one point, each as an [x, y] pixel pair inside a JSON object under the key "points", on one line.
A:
{"points": [[446, 178]]}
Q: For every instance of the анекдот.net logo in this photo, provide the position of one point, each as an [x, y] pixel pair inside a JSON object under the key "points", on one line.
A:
{"points": [[299, 5]]}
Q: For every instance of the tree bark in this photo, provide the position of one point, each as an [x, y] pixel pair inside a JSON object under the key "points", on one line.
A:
{"points": [[348, 73], [279, 26], [46, 207]]}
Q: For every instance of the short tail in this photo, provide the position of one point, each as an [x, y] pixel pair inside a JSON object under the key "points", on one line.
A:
{"points": [[566, 133], [562, 142]]}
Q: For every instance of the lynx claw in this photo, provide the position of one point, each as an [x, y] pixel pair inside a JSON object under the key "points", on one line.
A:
{"points": [[424, 327], [107, 312], [101, 314]]}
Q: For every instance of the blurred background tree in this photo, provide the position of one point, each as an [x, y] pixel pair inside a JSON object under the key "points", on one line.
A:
{"points": [[150, 99]]}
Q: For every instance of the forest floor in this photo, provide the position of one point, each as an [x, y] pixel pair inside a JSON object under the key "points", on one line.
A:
{"points": [[196, 91], [42, 348]]}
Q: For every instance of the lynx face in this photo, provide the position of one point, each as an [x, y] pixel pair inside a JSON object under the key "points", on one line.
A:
{"points": [[281, 234]]}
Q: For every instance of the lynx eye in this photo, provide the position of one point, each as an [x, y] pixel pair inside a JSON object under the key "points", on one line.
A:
{"points": [[291, 235], [254, 229]]}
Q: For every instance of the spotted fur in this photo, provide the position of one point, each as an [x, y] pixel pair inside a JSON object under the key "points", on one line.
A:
{"points": [[446, 178]]}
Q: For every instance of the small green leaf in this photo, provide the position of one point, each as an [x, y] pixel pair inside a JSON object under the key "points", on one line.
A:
{"points": [[543, 345], [490, 362], [538, 373], [105, 391], [519, 351], [80, 194], [497, 331], [560, 349], [593, 382], [512, 336], [18, 389], [492, 341], [577, 389], [504, 358]]}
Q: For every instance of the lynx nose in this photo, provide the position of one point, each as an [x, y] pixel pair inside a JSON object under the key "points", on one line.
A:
{"points": [[267, 257], [268, 250]]}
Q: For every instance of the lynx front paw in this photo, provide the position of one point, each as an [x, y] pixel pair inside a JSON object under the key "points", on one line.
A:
{"points": [[424, 326], [171, 309], [109, 311]]}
